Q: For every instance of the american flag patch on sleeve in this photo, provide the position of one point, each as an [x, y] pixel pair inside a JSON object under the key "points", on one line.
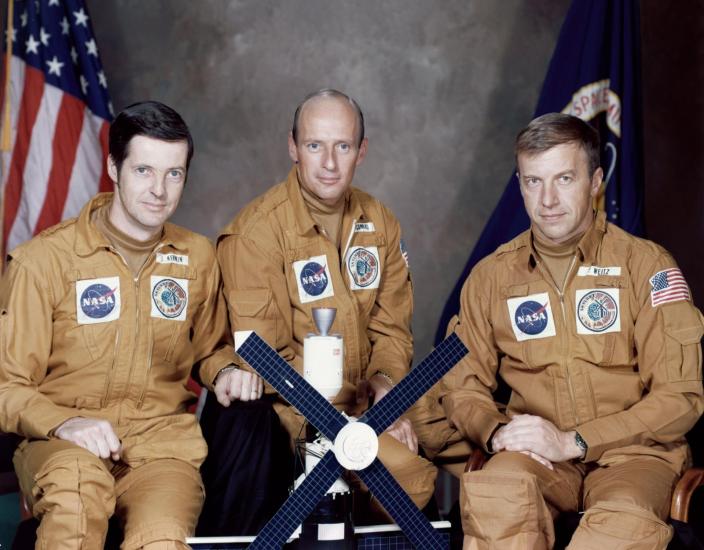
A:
{"points": [[668, 286]]}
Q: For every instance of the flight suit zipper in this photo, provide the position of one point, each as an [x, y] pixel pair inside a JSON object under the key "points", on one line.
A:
{"points": [[560, 293], [351, 298]]}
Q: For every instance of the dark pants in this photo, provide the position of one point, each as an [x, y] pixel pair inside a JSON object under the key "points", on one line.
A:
{"points": [[248, 470]]}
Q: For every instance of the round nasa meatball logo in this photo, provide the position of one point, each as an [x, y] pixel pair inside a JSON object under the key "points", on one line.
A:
{"points": [[97, 301], [531, 317], [363, 266], [314, 280], [597, 311], [169, 298]]}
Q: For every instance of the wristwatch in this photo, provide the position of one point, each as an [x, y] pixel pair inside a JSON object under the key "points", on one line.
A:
{"points": [[579, 440]]}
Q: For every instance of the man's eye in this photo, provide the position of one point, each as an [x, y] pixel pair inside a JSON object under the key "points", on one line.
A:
{"points": [[531, 182], [142, 170], [344, 147], [565, 179], [313, 146], [176, 174]]}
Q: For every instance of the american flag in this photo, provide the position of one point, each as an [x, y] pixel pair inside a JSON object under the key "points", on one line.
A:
{"points": [[668, 286], [59, 114]]}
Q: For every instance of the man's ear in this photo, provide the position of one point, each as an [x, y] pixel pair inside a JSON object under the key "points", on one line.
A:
{"points": [[112, 169], [597, 179], [292, 149], [362, 151]]}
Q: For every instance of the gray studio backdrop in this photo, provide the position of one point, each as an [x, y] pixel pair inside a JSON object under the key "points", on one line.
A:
{"points": [[444, 85]]}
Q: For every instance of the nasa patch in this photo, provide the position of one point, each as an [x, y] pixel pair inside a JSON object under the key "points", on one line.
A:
{"points": [[98, 300], [313, 279], [169, 297], [531, 317], [598, 311], [363, 267]]}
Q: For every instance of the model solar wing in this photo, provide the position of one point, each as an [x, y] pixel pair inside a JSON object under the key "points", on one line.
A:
{"points": [[291, 385], [397, 503], [415, 384], [299, 505]]}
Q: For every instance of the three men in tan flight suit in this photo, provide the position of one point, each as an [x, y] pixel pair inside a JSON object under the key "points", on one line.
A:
{"points": [[315, 241], [595, 332], [102, 318]]}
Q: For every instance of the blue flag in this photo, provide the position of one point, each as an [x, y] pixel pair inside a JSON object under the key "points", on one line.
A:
{"points": [[594, 74]]}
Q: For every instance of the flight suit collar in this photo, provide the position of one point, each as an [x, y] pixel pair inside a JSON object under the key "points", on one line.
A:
{"points": [[587, 246], [89, 238], [304, 220]]}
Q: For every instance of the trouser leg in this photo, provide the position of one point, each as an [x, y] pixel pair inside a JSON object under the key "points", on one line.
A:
{"points": [[627, 505], [71, 492], [158, 504], [511, 502]]}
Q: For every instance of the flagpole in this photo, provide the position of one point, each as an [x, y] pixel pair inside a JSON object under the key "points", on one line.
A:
{"points": [[6, 136]]}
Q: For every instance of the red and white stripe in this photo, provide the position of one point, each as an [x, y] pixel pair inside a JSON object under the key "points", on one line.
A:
{"points": [[57, 160], [677, 288]]}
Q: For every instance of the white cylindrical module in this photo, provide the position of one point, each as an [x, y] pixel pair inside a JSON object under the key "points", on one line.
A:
{"points": [[322, 363]]}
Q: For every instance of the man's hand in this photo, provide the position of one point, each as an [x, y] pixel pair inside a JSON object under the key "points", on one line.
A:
{"points": [[93, 434], [232, 384], [377, 387], [527, 433]]}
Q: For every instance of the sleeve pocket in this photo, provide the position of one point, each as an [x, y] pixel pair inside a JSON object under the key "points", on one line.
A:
{"points": [[683, 348], [252, 309]]}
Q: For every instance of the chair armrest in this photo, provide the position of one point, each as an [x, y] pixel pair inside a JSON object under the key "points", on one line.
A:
{"points": [[476, 460], [688, 483]]}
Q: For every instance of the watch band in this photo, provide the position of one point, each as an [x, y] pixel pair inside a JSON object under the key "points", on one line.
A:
{"points": [[579, 440]]}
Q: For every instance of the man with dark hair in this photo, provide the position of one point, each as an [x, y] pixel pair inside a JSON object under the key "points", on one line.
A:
{"points": [[102, 318], [316, 241], [595, 333]]}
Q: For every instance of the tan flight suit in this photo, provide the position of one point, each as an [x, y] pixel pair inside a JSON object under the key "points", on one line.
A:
{"points": [[81, 336], [277, 266], [610, 357]]}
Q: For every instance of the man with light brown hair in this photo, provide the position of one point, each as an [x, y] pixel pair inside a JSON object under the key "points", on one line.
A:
{"points": [[595, 333]]}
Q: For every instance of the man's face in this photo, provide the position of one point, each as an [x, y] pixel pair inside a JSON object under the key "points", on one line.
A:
{"points": [[327, 151], [149, 185], [558, 191]]}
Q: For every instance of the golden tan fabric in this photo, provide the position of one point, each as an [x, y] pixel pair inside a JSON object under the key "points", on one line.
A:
{"points": [[557, 259], [131, 371], [135, 253], [510, 504], [328, 218], [74, 493], [635, 391]]}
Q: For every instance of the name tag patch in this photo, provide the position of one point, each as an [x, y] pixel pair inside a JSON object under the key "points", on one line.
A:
{"points": [[169, 298], [313, 279], [598, 311], [595, 271], [178, 259], [98, 300], [364, 227], [531, 317], [363, 267]]}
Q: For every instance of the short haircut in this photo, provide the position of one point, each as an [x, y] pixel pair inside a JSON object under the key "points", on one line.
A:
{"points": [[329, 92], [552, 129], [147, 118]]}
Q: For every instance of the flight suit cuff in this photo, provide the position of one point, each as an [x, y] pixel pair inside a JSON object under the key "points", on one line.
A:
{"points": [[599, 440], [387, 370], [45, 418], [480, 427], [211, 367]]}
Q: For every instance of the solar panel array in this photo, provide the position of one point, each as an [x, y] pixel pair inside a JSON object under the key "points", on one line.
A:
{"points": [[319, 412]]}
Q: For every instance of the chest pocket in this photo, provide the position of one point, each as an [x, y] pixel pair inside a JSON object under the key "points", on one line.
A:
{"points": [[169, 331], [605, 339]]}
